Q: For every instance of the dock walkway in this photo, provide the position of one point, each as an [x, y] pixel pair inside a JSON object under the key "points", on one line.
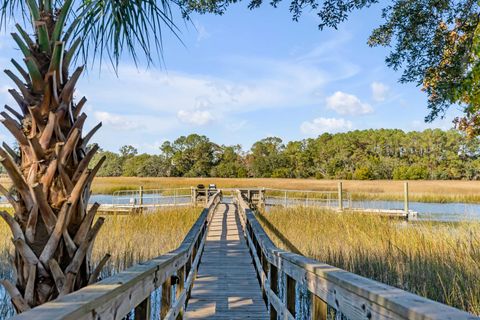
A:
{"points": [[226, 286]]}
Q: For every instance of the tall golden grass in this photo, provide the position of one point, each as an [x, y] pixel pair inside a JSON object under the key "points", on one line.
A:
{"points": [[424, 191], [129, 239], [439, 261], [135, 238], [420, 190]]}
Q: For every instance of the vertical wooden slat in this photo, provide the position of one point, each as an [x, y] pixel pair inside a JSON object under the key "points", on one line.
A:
{"points": [[265, 263], [273, 313], [180, 287], [274, 279], [166, 298], [142, 311], [319, 308], [291, 295]]}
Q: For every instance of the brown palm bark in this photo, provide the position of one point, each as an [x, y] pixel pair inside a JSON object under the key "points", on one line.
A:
{"points": [[53, 227]]}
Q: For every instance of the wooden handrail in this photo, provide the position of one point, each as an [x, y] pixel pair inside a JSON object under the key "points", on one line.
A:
{"points": [[118, 295], [329, 289]]}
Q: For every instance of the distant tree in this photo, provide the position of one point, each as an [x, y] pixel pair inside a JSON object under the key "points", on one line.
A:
{"points": [[128, 151], [112, 166], [230, 164], [360, 154], [133, 165], [266, 156], [192, 156]]}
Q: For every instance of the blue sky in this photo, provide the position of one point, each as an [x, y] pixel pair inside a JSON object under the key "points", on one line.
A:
{"points": [[247, 75]]}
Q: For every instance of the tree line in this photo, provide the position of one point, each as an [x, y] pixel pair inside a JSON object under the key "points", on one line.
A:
{"points": [[360, 154]]}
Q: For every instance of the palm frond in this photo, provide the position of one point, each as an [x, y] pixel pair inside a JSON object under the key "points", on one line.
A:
{"points": [[109, 28]]}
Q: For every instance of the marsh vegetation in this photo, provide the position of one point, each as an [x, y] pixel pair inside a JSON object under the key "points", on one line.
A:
{"points": [[420, 190], [128, 239], [440, 261]]}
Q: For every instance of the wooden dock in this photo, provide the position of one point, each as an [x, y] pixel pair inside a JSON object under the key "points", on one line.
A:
{"points": [[211, 275], [226, 286]]}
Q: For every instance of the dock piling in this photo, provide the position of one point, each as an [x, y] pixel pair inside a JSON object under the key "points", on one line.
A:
{"points": [[340, 196], [405, 197]]}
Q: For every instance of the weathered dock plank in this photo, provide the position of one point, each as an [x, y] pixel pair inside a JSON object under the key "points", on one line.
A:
{"points": [[226, 286]]}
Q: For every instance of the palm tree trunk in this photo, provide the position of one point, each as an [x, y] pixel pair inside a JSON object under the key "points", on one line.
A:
{"points": [[53, 228]]}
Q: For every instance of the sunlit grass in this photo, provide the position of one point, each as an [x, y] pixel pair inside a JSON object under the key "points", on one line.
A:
{"points": [[129, 239], [435, 260], [136, 238]]}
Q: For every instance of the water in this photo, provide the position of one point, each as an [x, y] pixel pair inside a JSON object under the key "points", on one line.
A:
{"points": [[451, 212], [447, 212]]}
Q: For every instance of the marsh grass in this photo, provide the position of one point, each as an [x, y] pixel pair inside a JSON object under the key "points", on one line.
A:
{"points": [[420, 190], [129, 240], [136, 238], [439, 261]]}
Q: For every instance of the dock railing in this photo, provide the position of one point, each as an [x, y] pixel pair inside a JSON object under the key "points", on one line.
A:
{"points": [[152, 197], [308, 198], [297, 287], [130, 292]]}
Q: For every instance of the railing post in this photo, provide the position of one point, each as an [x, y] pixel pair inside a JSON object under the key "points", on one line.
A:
{"points": [[166, 298], [319, 308], [174, 196], [405, 197], [286, 199], [291, 295], [194, 196], [340, 196], [142, 311], [140, 196]]}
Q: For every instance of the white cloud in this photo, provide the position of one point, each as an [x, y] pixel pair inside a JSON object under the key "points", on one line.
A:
{"points": [[321, 125], [256, 84], [195, 117], [379, 91], [115, 120], [347, 104]]}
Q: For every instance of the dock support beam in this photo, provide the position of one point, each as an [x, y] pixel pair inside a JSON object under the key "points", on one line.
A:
{"points": [[140, 197], [405, 197], [340, 196]]}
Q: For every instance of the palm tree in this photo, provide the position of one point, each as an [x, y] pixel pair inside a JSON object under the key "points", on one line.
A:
{"points": [[53, 226]]}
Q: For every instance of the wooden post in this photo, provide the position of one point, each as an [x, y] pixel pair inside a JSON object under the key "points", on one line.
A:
{"points": [[319, 308], [340, 196], [273, 313], [286, 199], [262, 197], [405, 197], [181, 281], [291, 295], [174, 196], [274, 278], [166, 298], [140, 196], [142, 311], [194, 196]]}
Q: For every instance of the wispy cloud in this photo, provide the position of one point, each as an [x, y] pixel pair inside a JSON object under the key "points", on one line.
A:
{"points": [[195, 117], [257, 84], [115, 120], [380, 91], [321, 125], [202, 33]]}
